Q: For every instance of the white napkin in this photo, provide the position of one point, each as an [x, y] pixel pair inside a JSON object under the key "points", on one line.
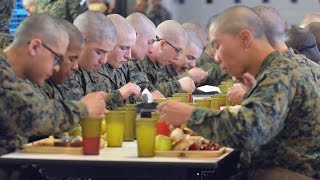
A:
{"points": [[147, 93], [208, 88]]}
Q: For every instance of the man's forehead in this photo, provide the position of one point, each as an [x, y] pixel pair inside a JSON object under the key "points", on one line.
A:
{"points": [[128, 40]]}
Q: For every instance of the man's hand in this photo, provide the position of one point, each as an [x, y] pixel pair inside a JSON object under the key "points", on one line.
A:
{"points": [[197, 74], [129, 89], [95, 103], [187, 84], [235, 94], [156, 95], [247, 81], [174, 113]]}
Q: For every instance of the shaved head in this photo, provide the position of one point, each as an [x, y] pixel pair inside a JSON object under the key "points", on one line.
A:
{"points": [[146, 33], [197, 29], [173, 32], [314, 28], [40, 26], [122, 26], [237, 18], [141, 23], [273, 23], [309, 18], [75, 36], [121, 53], [194, 38], [95, 27]]}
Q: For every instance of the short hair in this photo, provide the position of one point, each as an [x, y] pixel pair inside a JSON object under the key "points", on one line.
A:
{"points": [[40, 26], [309, 18], [197, 29], [211, 20], [74, 34], [237, 18], [303, 41], [171, 30], [194, 38], [141, 23], [273, 23], [28, 3], [95, 27], [314, 28], [121, 24]]}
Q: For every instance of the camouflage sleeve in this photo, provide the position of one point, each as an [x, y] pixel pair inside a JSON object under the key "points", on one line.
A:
{"points": [[168, 88], [259, 119], [74, 88], [74, 8], [5, 40], [6, 11], [138, 77], [31, 114], [114, 100], [215, 75]]}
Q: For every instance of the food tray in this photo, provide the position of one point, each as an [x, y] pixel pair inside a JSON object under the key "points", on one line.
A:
{"points": [[46, 146], [192, 154]]}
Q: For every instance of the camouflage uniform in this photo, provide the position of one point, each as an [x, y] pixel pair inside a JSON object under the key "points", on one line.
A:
{"points": [[158, 80], [82, 83], [158, 14], [312, 68], [50, 90], [64, 9], [278, 122], [6, 11], [204, 60], [138, 76], [25, 113]]}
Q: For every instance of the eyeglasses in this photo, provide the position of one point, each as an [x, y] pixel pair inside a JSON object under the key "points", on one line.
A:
{"points": [[151, 41], [58, 58], [178, 51], [297, 50]]}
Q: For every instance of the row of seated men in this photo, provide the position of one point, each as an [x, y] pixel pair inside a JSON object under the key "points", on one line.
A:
{"points": [[55, 73]]}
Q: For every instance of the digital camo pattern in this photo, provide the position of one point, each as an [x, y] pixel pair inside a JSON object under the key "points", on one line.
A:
{"points": [[6, 12], [157, 78], [277, 123], [26, 113], [64, 9], [138, 76], [82, 83], [158, 14]]}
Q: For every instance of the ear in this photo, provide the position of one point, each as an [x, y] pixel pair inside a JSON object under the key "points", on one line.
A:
{"points": [[161, 44], [246, 38], [33, 46]]}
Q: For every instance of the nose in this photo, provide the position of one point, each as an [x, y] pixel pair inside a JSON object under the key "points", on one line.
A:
{"points": [[103, 60], [127, 55], [217, 59], [75, 66], [56, 68], [192, 64]]}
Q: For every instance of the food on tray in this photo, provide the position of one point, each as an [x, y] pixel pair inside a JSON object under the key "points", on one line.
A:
{"points": [[163, 143], [176, 135]]}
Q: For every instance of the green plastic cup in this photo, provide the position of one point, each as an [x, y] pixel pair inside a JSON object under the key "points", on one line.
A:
{"points": [[115, 128], [205, 103], [91, 132], [146, 134], [129, 122]]}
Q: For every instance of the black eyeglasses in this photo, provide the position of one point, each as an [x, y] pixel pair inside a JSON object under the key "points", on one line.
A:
{"points": [[297, 50], [151, 41], [58, 58], [178, 51]]}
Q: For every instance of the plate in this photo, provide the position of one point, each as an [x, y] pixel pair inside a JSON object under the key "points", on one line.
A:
{"points": [[192, 154]]}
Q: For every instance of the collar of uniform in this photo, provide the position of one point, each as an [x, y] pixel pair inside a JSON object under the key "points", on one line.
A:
{"points": [[267, 61], [288, 53]]}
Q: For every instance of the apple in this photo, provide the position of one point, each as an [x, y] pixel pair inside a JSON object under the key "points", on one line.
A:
{"points": [[163, 128], [163, 143]]}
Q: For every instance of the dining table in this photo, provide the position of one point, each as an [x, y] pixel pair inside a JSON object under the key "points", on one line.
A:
{"points": [[124, 163]]}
